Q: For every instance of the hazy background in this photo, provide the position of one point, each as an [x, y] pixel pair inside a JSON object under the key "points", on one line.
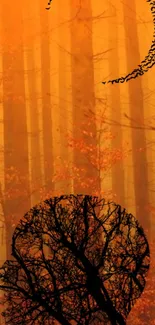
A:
{"points": [[61, 130]]}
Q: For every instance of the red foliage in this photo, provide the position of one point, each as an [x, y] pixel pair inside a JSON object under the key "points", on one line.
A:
{"points": [[143, 311]]}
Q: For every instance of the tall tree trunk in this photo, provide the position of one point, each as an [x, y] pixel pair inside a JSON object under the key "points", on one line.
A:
{"points": [[115, 103], [15, 126], [83, 97], [65, 185], [35, 154], [46, 102], [137, 114]]}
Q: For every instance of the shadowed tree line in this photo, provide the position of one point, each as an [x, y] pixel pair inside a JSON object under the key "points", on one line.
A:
{"points": [[76, 260]]}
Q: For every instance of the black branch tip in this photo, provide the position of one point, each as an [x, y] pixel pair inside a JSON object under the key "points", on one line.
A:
{"points": [[49, 3], [145, 64], [76, 259]]}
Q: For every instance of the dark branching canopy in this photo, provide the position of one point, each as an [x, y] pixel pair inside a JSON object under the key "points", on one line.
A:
{"points": [[76, 260]]}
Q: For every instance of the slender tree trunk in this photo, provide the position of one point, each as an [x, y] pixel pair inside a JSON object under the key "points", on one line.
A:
{"points": [[46, 102], [65, 185], [15, 125], [83, 97], [35, 154], [137, 114], [117, 168]]}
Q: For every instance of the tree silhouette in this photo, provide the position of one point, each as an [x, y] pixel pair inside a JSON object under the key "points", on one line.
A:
{"points": [[86, 278]]}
